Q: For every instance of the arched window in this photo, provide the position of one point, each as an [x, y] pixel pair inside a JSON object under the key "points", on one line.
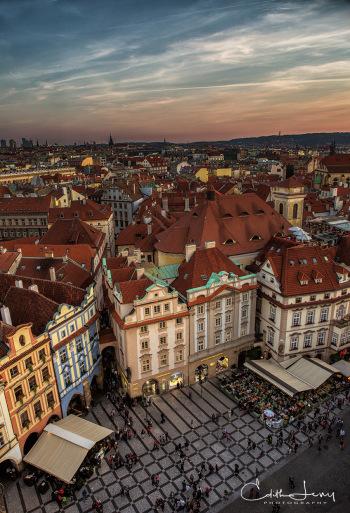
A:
{"points": [[295, 211], [281, 209], [22, 340]]}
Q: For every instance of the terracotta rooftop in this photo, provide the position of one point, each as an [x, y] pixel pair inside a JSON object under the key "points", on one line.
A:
{"points": [[238, 224], [73, 231], [197, 271], [86, 211]]}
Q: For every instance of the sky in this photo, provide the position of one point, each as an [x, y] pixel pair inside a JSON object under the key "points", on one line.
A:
{"points": [[184, 70]]}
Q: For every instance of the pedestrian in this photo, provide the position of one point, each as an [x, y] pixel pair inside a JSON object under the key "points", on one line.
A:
{"points": [[226, 493], [162, 418], [236, 469], [85, 494], [291, 482], [190, 395]]}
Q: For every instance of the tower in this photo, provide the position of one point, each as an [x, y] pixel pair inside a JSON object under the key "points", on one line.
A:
{"points": [[288, 197], [110, 142]]}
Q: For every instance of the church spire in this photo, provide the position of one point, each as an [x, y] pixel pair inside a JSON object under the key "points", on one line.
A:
{"points": [[110, 142]]}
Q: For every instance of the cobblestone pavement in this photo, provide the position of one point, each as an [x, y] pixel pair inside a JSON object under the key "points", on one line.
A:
{"points": [[186, 419]]}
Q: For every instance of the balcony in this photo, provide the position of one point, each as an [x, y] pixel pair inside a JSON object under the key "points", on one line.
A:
{"points": [[341, 323]]}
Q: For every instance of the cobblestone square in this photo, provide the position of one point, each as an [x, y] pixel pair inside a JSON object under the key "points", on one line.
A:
{"points": [[206, 443]]}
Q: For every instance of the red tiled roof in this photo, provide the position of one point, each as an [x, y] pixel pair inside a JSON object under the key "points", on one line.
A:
{"points": [[73, 231], [86, 211], [339, 162], [313, 263], [238, 224], [6, 260], [197, 271], [27, 204], [133, 289]]}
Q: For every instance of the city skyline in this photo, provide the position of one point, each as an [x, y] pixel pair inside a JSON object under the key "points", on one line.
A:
{"points": [[187, 71]]}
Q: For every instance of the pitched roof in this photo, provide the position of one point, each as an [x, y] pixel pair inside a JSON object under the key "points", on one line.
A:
{"points": [[303, 269], [238, 224], [133, 289], [26, 204], [73, 231], [86, 211], [6, 260], [197, 271], [339, 162]]}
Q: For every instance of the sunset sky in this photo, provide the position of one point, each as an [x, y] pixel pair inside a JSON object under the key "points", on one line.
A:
{"points": [[74, 70]]}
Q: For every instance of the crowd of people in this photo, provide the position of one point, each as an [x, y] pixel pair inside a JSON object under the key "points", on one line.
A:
{"points": [[258, 396]]}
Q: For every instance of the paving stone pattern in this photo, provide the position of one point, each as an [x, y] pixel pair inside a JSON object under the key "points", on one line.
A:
{"points": [[186, 419]]}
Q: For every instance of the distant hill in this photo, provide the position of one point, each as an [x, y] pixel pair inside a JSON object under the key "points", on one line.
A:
{"points": [[313, 140]]}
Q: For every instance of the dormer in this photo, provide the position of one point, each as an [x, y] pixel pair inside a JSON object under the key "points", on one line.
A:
{"points": [[303, 278], [317, 276]]}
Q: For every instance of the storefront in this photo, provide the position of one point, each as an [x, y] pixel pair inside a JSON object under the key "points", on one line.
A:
{"points": [[221, 364], [176, 380], [201, 372], [151, 387]]}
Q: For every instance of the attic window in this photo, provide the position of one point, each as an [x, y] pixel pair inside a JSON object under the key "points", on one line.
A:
{"points": [[185, 276], [291, 262], [195, 214], [204, 277], [229, 242], [75, 214], [227, 215], [314, 260], [90, 214], [61, 215], [302, 261], [255, 237], [258, 212], [326, 258], [243, 214]]}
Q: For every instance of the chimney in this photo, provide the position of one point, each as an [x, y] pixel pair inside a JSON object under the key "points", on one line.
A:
{"points": [[139, 272], [210, 244], [189, 251], [187, 204], [52, 274], [163, 212], [6, 315], [33, 287], [149, 228], [19, 284], [165, 203]]}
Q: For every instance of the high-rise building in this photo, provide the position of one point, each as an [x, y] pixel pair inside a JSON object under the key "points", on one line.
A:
{"points": [[12, 144], [3, 143]]}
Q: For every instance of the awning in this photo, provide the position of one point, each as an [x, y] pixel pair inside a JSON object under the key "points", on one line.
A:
{"points": [[63, 446], [343, 367], [292, 376]]}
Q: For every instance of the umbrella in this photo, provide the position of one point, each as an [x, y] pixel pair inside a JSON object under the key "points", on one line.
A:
{"points": [[269, 413]]}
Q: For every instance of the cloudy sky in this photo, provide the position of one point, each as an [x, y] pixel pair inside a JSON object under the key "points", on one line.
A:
{"points": [[74, 70]]}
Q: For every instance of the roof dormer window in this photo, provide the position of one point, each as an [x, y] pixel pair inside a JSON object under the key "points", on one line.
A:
{"points": [[229, 242], [255, 237]]}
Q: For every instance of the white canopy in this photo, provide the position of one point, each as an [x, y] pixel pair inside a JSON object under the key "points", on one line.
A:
{"points": [[63, 446]]}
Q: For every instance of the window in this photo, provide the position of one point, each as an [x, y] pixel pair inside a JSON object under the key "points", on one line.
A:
{"points": [[298, 299], [162, 341], [66, 377], [14, 371], [146, 365], [63, 355], [245, 310], [29, 363], [42, 355], [200, 344], [321, 338], [18, 393], [50, 399], [162, 325], [38, 409], [32, 383], [163, 360], [200, 326], [227, 336], [343, 338], [144, 344], [280, 209], [228, 318], [217, 337], [144, 329], [179, 355], [45, 374], [296, 319], [310, 316], [156, 309], [229, 301], [270, 339], [200, 309], [327, 295], [217, 304], [340, 312], [166, 307], [179, 335], [335, 338], [82, 367], [2, 439], [179, 320], [22, 340], [294, 342], [217, 321], [344, 292], [324, 314], [245, 296], [63, 333], [312, 298], [295, 211], [24, 419], [147, 311], [272, 313], [308, 340]]}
